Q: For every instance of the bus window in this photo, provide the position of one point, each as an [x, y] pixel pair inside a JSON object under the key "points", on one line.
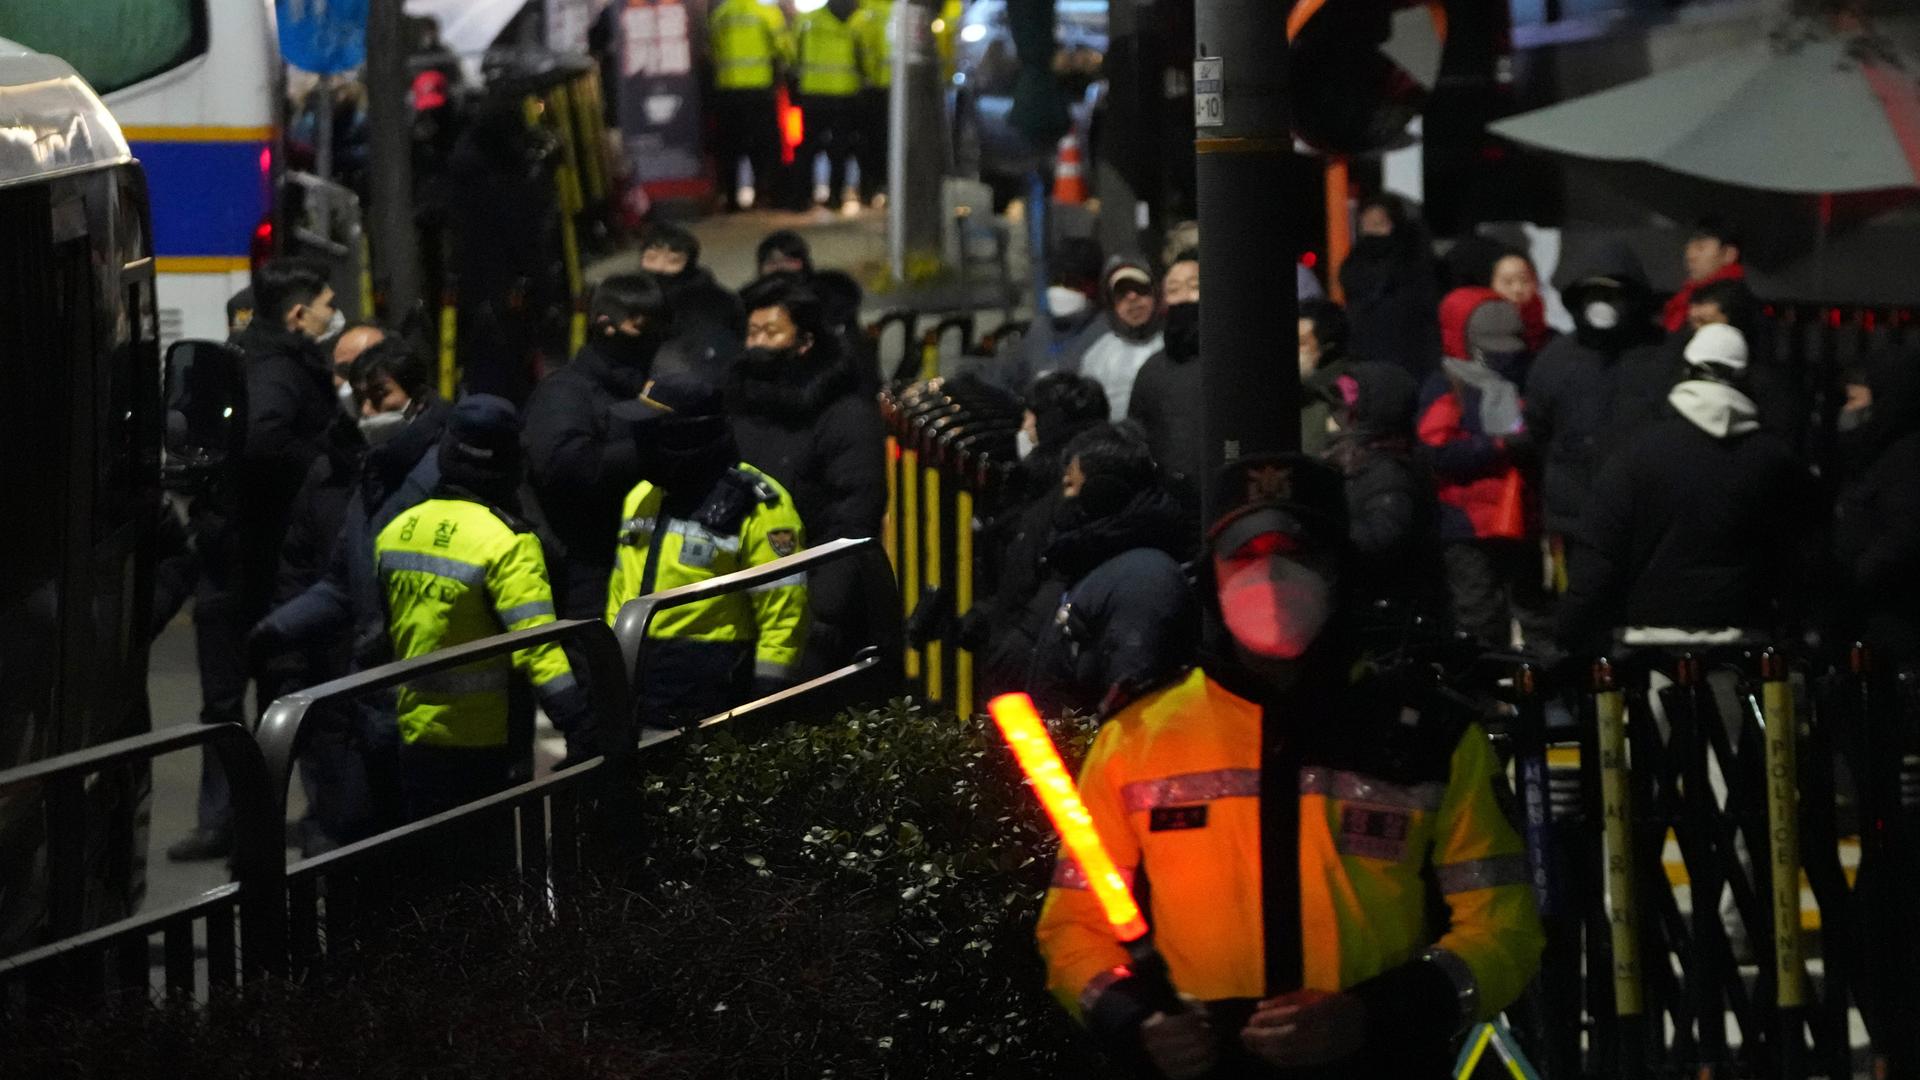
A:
{"points": [[111, 43]]}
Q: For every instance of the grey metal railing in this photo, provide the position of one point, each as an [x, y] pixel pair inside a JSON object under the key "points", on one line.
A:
{"points": [[115, 957]]}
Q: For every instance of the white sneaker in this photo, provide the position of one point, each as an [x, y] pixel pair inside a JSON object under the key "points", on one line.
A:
{"points": [[850, 208], [744, 197], [821, 194], [879, 200]]}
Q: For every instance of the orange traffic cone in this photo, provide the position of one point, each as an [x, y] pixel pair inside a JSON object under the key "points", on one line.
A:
{"points": [[1069, 183]]}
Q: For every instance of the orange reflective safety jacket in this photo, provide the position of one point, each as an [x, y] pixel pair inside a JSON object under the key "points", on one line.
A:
{"points": [[1368, 816]]}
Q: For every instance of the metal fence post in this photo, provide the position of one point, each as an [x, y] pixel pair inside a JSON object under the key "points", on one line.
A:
{"points": [[1783, 827], [1616, 807], [963, 596], [935, 661]]}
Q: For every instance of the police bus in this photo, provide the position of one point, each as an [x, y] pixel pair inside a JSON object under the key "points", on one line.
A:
{"points": [[197, 88], [80, 403]]}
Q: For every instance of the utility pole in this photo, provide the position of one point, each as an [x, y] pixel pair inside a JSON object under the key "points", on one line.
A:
{"points": [[916, 145], [1249, 324], [396, 248]]}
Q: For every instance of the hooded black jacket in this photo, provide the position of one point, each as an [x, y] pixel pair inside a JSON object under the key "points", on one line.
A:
{"points": [[810, 425], [581, 466], [1583, 397], [1113, 607], [1876, 529], [1393, 518], [1687, 530], [1393, 301], [291, 408]]}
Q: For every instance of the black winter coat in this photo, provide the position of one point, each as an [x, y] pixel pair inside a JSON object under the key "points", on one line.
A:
{"points": [[1131, 615], [1580, 403], [1167, 404], [1688, 531], [810, 425], [709, 325], [581, 466], [1393, 302], [1876, 529], [291, 409]]}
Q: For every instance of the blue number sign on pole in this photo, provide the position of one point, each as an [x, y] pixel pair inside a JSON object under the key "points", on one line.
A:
{"points": [[325, 37]]}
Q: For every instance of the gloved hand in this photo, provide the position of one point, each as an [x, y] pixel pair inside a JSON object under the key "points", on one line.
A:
{"points": [[265, 642], [1181, 1045]]}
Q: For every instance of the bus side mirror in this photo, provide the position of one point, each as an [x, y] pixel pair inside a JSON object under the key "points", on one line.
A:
{"points": [[206, 411]]}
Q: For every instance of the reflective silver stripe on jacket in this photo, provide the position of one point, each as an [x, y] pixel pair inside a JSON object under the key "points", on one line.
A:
{"points": [[634, 528], [1191, 788], [768, 669], [1067, 874], [463, 681], [1475, 874], [1466, 988], [791, 581], [1090, 993], [438, 565], [559, 684], [1358, 787], [528, 610]]}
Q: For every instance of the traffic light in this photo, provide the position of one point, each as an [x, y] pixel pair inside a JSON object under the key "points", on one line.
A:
{"points": [[1348, 97]]}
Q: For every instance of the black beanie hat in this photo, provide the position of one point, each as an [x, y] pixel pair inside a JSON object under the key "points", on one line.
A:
{"points": [[481, 449]]}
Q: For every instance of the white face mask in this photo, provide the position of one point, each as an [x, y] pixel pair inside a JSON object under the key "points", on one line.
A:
{"points": [[380, 427], [1602, 315], [336, 324], [1022, 443], [345, 391]]}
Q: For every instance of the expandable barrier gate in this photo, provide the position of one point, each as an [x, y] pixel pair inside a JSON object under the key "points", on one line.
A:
{"points": [[1726, 849], [950, 454]]}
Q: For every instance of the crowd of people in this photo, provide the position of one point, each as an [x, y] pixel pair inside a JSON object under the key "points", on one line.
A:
{"points": [[1658, 475], [1636, 478], [699, 431]]}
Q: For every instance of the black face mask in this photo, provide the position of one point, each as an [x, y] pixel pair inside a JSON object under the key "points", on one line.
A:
{"points": [[1183, 330], [769, 359], [1375, 247], [1510, 365], [633, 350]]}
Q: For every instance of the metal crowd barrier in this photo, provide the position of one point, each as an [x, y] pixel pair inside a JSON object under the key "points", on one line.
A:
{"points": [[1709, 910], [949, 445], [274, 919]]}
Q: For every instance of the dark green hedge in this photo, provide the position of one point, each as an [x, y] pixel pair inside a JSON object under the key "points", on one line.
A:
{"points": [[854, 898]]}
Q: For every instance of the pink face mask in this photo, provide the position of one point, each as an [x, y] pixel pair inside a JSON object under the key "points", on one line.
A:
{"points": [[1273, 606]]}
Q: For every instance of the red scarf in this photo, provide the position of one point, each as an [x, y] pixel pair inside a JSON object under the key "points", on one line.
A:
{"points": [[1675, 317]]}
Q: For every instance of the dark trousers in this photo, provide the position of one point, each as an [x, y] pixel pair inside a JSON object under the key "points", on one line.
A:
{"points": [[222, 616], [746, 125], [832, 126], [1493, 582], [872, 150], [684, 682], [434, 779]]}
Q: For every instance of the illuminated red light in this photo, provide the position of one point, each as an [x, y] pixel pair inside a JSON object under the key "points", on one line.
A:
{"points": [[1310, 260], [1027, 737]]}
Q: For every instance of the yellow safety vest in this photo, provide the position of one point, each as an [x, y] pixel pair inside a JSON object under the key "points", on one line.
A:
{"points": [[828, 60], [452, 572], [748, 39], [871, 25], [1173, 785], [773, 616]]}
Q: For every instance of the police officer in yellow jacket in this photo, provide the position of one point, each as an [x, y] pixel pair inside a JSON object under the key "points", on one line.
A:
{"points": [[827, 70], [454, 569], [750, 46], [873, 34], [1291, 817], [701, 513]]}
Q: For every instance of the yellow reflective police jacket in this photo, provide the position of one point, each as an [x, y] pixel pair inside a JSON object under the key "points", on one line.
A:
{"points": [[871, 25], [1173, 784], [748, 39], [827, 54], [452, 572], [773, 616]]}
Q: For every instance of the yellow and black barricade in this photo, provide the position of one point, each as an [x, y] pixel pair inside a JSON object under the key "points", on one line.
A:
{"points": [[950, 453]]}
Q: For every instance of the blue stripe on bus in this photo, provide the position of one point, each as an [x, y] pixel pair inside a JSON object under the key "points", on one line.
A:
{"points": [[207, 196]]}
